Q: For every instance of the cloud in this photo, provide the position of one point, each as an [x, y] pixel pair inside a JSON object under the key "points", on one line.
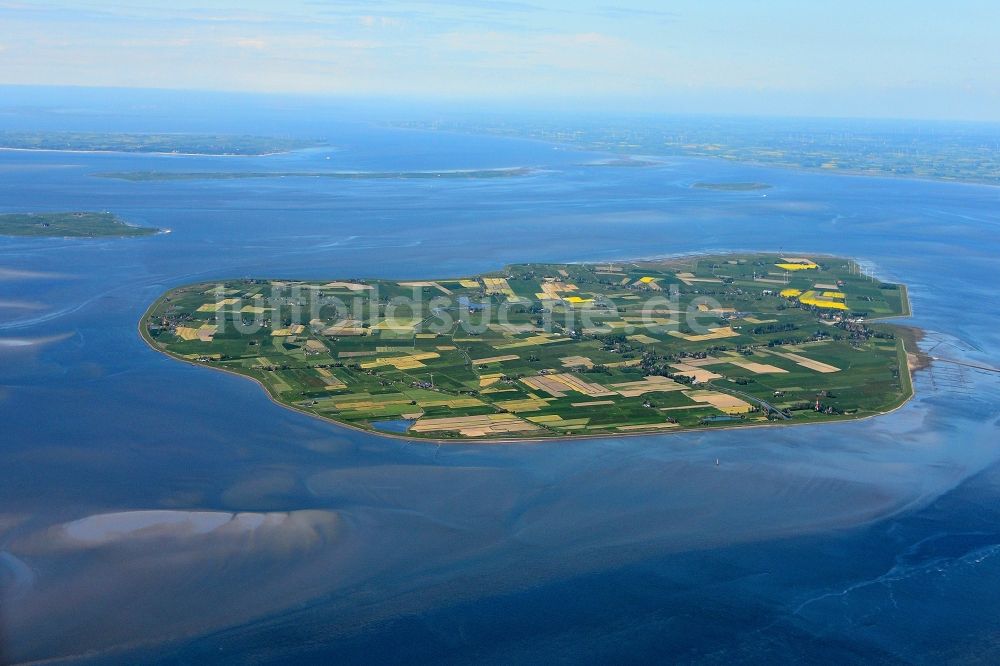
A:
{"points": [[144, 43], [370, 21], [631, 12], [494, 48], [254, 43]]}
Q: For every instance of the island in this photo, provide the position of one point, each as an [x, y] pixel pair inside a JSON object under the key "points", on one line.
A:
{"points": [[541, 351], [73, 224], [180, 143]]}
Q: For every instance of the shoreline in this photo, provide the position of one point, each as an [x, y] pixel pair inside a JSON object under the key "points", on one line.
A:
{"points": [[911, 334], [855, 173]]}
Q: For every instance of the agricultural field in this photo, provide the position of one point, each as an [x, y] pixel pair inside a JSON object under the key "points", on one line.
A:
{"points": [[558, 351]]}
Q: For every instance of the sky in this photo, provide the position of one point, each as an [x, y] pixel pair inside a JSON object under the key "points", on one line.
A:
{"points": [[875, 58]]}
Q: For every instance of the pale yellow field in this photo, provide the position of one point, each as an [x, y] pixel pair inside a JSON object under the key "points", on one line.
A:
{"points": [[546, 418], [315, 345], [699, 374], [532, 341], [689, 279], [203, 333], [523, 405], [648, 426], [489, 380], [809, 363], [218, 305], [407, 362], [759, 368], [294, 329], [708, 360], [420, 285], [625, 364], [475, 426], [726, 403], [346, 331], [351, 286], [646, 385], [576, 361], [552, 290], [498, 286], [495, 359], [556, 385], [713, 334]]}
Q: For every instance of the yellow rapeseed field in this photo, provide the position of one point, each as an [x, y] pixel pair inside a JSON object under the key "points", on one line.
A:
{"points": [[797, 267]]}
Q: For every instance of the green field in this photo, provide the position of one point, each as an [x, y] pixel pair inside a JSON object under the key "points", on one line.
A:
{"points": [[541, 350], [79, 224]]}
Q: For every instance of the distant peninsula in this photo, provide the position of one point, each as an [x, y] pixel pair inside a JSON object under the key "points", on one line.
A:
{"points": [[181, 144], [73, 224], [732, 187]]}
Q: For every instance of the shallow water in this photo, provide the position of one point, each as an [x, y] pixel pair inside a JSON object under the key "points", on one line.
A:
{"points": [[865, 541]]}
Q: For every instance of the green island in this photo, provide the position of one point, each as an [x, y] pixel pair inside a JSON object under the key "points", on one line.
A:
{"points": [[560, 350], [182, 143], [74, 224]]}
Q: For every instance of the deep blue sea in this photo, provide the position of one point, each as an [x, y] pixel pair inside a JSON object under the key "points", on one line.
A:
{"points": [[156, 512]]}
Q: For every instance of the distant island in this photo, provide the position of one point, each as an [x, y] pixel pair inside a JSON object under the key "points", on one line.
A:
{"points": [[732, 187], [78, 224], [138, 176], [559, 350], [187, 144]]}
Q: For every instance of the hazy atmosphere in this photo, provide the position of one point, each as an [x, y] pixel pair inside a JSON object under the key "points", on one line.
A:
{"points": [[913, 59]]}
